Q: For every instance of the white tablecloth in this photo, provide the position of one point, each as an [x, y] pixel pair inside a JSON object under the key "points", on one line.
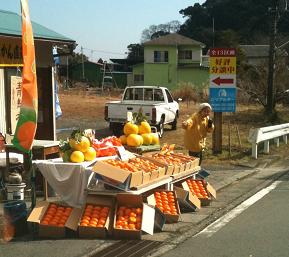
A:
{"points": [[13, 157], [68, 180]]}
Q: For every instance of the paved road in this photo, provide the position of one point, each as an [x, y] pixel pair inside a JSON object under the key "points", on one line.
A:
{"points": [[258, 231]]}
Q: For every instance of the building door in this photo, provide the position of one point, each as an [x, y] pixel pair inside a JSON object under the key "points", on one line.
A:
{"points": [[45, 125]]}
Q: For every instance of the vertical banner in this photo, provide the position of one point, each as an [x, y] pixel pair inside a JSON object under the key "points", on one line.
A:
{"points": [[58, 112], [27, 123], [16, 96]]}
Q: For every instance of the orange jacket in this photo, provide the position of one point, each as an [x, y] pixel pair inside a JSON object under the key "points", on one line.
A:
{"points": [[196, 129]]}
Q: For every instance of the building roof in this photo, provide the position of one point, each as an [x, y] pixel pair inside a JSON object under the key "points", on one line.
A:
{"points": [[10, 25], [174, 39]]}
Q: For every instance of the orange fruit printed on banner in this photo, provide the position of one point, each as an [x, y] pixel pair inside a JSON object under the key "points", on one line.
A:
{"points": [[25, 136]]}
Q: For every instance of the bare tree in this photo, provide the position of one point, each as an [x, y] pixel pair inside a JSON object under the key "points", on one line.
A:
{"points": [[161, 29], [253, 81]]}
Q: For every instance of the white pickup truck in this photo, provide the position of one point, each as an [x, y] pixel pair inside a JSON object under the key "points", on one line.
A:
{"points": [[157, 105]]}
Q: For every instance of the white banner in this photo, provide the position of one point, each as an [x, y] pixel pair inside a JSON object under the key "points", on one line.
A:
{"points": [[16, 97]]}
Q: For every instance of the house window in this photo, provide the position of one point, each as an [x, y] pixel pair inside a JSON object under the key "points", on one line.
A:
{"points": [[185, 55], [161, 56], [138, 77]]}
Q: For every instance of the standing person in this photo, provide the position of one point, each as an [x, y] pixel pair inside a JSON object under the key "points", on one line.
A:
{"points": [[196, 129]]}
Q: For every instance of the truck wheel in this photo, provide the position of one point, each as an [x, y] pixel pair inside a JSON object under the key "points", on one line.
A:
{"points": [[161, 128], [174, 123]]}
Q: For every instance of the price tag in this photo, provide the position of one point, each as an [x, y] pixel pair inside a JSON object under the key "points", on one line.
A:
{"points": [[129, 116], [122, 153]]}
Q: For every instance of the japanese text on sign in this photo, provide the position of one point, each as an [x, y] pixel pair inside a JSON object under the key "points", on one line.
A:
{"points": [[223, 79], [223, 100], [222, 52], [16, 98], [223, 65], [10, 53]]}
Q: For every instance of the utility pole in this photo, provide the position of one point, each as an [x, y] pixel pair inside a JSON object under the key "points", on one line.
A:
{"points": [[213, 32], [67, 70], [270, 105]]}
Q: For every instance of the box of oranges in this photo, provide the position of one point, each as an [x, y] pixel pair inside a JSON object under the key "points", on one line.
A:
{"points": [[189, 162], [202, 189], [148, 165], [54, 219], [172, 166], [118, 173], [132, 217], [187, 200], [166, 202], [96, 217]]}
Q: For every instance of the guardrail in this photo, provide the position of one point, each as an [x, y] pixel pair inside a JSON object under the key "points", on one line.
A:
{"points": [[258, 135]]}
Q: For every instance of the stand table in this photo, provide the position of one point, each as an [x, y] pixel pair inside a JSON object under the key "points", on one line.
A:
{"points": [[167, 181]]}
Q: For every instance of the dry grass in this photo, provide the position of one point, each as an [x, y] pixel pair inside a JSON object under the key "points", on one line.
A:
{"points": [[86, 110]]}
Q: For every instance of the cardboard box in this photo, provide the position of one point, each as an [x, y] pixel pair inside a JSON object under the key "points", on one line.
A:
{"points": [[147, 176], [49, 231], [169, 169], [160, 220], [209, 189], [117, 177], [97, 232], [187, 200], [148, 215], [170, 218], [160, 172], [189, 161]]}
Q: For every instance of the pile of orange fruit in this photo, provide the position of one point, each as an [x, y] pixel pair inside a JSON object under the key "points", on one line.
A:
{"points": [[122, 165], [166, 202], [142, 164], [56, 215], [94, 216], [128, 218], [197, 187], [167, 159]]}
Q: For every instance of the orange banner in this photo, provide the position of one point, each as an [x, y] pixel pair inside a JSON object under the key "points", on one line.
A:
{"points": [[27, 123]]}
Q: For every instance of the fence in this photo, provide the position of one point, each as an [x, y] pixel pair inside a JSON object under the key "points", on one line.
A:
{"points": [[265, 134]]}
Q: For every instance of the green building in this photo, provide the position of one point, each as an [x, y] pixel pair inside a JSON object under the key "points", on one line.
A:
{"points": [[172, 60], [94, 73]]}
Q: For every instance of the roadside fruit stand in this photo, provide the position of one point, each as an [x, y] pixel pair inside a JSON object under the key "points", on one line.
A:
{"points": [[108, 191]]}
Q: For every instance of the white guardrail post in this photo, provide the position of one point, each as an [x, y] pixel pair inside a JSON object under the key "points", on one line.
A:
{"points": [[264, 134]]}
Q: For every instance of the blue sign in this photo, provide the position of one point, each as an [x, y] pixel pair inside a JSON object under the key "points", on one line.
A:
{"points": [[223, 99]]}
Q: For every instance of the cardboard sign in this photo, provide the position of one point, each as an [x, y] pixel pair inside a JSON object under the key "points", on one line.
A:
{"points": [[122, 153], [11, 52]]}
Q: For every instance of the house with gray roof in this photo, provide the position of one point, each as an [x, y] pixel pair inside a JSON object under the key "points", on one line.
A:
{"points": [[259, 54]]}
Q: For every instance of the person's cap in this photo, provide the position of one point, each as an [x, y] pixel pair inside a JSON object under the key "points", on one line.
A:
{"points": [[204, 105]]}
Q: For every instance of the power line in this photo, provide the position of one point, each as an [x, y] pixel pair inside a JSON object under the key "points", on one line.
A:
{"points": [[101, 51]]}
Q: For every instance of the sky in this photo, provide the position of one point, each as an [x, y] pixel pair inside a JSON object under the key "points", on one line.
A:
{"points": [[103, 28]]}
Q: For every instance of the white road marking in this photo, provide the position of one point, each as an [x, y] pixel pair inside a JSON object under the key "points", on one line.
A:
{"points": [[219, 223]]}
